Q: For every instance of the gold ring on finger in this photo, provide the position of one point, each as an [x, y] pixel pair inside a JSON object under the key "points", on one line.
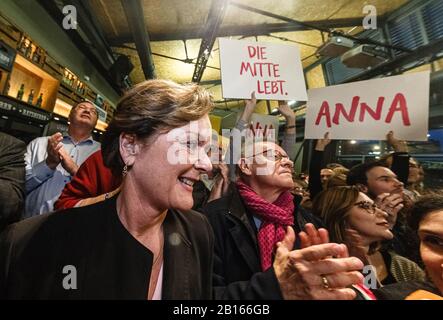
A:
{"points": [[325, 282]]}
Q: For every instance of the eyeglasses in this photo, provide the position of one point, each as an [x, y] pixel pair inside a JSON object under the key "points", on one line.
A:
{"points": [[368, 206], [273, 156]]}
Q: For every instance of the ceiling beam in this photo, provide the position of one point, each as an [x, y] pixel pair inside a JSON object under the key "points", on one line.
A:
{"points": [[322, 29], [54, 11], [246, 30], [210, 82], [136, 22], [92, 29], [215, 17]]}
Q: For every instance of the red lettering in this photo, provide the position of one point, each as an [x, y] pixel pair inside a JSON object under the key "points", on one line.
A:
{"points": [[339, 108], [258, 88], [270, 87], [260, 68], [245, 66], [399, 104], [269, 68], [258, 52], [276, 74], [281, 85], [375, 115], [262, 53], [274, 87], [252, 51], [324, 111]]}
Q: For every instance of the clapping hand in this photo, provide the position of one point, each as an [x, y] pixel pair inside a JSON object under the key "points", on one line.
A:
{"points": [[313, 272], [53, 148]]}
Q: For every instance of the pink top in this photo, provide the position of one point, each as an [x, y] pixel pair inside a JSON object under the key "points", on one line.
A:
{"points": [[158, 288]]}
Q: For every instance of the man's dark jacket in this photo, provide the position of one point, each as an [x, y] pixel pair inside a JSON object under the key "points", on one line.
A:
{"points": [[236, 252], [12, 179]]}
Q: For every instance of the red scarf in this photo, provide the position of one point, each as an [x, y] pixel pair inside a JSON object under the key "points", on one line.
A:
{"points": [[275, 217]]}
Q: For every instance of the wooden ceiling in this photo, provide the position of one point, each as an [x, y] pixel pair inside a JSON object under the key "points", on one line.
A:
{"points": [[176, 27]]}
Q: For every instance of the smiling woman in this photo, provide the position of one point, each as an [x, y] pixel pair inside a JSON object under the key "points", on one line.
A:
{"points": [[143, 243], [426, 217], [351, 217]]}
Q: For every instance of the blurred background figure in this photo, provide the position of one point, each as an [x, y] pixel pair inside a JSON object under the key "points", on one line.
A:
{"points": [[52, 162], [12, 179]]}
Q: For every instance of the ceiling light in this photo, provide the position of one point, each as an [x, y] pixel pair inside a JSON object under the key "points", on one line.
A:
{"points": [[353, 141], [335, 46], [364, 56]]}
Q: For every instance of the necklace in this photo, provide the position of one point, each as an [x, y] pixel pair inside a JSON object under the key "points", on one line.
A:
{"points": [[159, 255]]}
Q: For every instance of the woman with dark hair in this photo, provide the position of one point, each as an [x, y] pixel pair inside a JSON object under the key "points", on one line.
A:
{"points": [[143, 243], [427, 219], [351, 217]]}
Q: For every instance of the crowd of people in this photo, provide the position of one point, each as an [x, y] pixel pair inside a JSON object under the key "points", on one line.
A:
{"points": [[135, 221]]}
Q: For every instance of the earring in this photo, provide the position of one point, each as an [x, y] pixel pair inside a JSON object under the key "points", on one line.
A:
{"points": [[125, 170]]}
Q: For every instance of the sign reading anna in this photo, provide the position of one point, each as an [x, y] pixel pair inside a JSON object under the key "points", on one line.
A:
{"points": [[273, 71], [368, 110]]}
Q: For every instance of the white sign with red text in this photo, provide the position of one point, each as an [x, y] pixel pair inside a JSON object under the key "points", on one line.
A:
{"points": [[273, 71], [368, 110], [263, 125]]}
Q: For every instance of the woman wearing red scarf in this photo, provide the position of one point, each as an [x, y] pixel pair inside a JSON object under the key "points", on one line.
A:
{"points": [[250, 221]]}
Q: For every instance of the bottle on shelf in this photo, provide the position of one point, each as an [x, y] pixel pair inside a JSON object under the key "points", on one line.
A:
{"points": [[21, 91], [39, 100], [31, 96], [43, 57], [28, 50], [65, 77], [36, 56], [22, 46]]}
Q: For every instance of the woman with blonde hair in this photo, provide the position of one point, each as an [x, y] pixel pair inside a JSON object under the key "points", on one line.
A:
{"points": [[144, 242]]}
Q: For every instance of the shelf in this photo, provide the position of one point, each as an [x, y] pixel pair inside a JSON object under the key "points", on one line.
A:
{"points": [[33, 77]]}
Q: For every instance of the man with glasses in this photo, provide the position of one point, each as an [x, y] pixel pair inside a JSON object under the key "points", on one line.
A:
{"points": [[52, 161], [253, 219]]}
